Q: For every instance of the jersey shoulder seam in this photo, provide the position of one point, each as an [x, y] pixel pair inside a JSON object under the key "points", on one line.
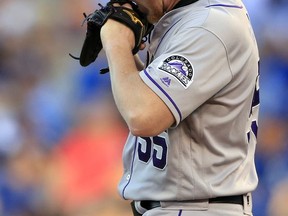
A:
{"points": [[223, 44]]}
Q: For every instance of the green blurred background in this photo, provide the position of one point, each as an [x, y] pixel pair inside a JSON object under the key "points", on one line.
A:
{"points": [[61, 136]]}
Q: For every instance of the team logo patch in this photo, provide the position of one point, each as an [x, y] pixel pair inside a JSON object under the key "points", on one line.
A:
{"points": [[180, 68]]}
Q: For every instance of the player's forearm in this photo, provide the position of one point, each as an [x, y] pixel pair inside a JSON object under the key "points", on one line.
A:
{"points": [[127, 87], [136, 102], [144, 112]]}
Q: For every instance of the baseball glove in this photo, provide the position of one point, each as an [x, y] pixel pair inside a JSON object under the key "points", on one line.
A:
{"points": [[132, 18]]}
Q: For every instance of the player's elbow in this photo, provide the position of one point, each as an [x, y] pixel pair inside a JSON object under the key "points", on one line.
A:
{"points": [[144, 132], [144, 127], [149, 120]]}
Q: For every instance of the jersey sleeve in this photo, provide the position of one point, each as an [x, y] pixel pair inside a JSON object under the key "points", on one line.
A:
{"points": [[189, 71]]}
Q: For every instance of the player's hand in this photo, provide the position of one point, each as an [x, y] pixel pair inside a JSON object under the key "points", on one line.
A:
{"points": [[115, 34], [116, 30], [143, 44]]}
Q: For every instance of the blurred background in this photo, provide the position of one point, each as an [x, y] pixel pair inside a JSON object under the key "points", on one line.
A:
{"points": [[61, 136]]}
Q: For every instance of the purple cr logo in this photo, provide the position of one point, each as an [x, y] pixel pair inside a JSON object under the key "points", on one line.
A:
{"points": [[180, 68]]}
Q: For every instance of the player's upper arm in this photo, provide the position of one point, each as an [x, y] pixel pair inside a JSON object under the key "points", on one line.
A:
{"points": [[188, 72]]}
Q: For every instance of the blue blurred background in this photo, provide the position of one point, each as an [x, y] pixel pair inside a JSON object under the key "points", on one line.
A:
{"points": [[61, 136]]}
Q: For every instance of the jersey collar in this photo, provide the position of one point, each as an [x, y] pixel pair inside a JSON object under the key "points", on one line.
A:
{"points": [[182, 3]]}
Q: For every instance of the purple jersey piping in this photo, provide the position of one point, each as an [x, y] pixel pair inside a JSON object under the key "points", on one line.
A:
{"points": [[225, 5], [165, 93], [131, 170]]}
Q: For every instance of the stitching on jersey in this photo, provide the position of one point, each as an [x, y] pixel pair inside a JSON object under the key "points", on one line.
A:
{"points": [[131, 170], [226, 50], [165, 93]]}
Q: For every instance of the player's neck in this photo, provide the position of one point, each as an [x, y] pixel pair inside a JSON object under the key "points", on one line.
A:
{"points": [[168, 5], [182, 3]]}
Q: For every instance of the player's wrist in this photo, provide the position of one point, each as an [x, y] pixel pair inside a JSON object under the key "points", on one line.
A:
{"points": [[115, 35]]}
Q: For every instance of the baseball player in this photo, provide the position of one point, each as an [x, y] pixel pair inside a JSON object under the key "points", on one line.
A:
{"points": [[192, 110]]}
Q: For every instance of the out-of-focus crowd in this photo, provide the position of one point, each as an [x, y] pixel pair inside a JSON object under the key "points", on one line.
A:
{"points": [[61, 136], [270, 21]]}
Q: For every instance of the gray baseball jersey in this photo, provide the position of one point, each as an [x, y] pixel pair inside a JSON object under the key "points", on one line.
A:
{"points": [[203, 63]]}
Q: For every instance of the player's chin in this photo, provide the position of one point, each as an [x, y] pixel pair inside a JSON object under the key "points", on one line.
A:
{"points": [[143, 9], [154, 15]]}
